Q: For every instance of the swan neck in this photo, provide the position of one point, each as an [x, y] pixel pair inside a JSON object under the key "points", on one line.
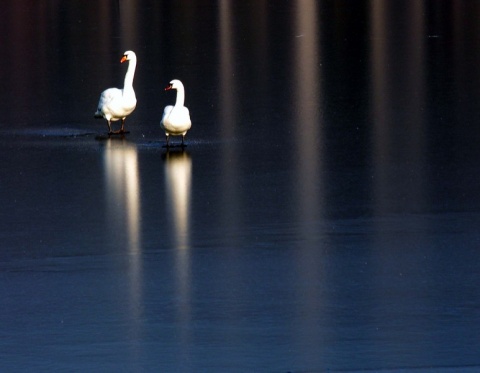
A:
{"points": [[128, 83], [180, 97]]}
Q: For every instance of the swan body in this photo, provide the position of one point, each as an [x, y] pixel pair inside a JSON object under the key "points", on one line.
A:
{"points": [[176, 118], [116, 104]]}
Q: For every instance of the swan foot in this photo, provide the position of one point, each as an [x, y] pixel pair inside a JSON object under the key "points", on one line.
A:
{"points": [[119, 132], [167, 145]]}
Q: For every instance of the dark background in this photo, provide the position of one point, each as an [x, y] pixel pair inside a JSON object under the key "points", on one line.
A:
{"points": [[323, 216]]}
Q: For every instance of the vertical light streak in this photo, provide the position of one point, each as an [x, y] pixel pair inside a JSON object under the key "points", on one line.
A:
{"points": [[398, 84], [389, 91], [178, 175], [307, 134], [308, 101], [123, 217], [398, 105], [227, 72], [128, 24], [227, 118]]}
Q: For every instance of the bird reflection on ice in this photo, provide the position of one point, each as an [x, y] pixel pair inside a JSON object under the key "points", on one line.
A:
{"points": [[123, 195], [178, 170], [123, 216]]}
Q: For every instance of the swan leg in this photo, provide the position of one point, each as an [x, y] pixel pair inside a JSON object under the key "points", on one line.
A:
{"points": [[109, 127], [122, 129], [167, 138], [183, 140]]}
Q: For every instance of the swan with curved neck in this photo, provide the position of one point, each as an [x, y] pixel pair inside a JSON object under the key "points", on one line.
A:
{"points": [[176, 119], [116, 104]]}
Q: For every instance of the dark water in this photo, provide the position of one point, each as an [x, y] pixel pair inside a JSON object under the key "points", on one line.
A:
{"points": [[324, 215]]}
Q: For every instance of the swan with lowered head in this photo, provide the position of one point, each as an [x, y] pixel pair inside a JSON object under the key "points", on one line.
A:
{"points": [[116, 104], [176, 119]]}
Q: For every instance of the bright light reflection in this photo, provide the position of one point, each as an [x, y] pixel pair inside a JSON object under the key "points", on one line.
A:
{"points": [[123, 217], [308, 138], [227, 115], [128, 24], [178, 173], [398, 83], [121, 172], [396, 188], [307, 107], [226, 66]]}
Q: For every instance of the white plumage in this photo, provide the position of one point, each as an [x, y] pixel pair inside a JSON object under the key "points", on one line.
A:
{"points": [[176, 119], [116, 104]]}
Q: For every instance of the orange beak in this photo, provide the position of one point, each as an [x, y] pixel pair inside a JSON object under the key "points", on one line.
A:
{"points": [[124, 58], [168, 87]]}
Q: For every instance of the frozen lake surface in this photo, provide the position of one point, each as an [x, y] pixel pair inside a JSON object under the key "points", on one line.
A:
{"points": [[324, 215]]}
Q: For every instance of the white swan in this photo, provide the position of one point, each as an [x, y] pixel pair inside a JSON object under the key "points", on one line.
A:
{"points": [[176, 119], [116, 104]]}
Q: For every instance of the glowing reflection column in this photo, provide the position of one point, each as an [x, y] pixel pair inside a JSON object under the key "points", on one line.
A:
{"points": [[123, 218], [229, 219], [128, 24], [398, 105], [398, 155], [227, 118], [123, 191], [178, 175], [308, 101], [307, 183]]}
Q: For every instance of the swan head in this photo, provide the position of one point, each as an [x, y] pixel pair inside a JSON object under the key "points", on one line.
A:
{"points": [[127, 56], [174, 84]]}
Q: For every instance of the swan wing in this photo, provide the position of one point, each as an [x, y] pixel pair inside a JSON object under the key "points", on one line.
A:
{"points": [[187, 115], [166, 112], [182, 117], [176, 120], [168, 109], [115, 104], [109, 96]]}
